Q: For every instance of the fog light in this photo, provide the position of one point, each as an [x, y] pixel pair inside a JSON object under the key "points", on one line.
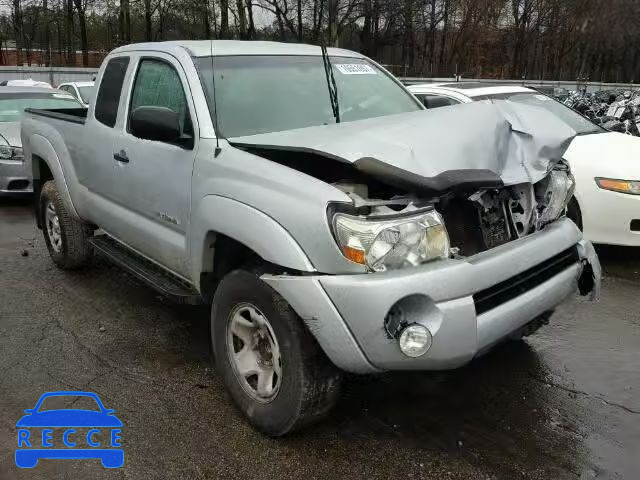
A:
{"points": [[415, 340]]}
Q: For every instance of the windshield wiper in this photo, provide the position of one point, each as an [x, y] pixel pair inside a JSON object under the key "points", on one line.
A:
{"points": [[331, 83]]}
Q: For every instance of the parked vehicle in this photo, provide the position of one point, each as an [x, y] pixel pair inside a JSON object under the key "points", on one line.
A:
{"points": [[15, 174], [25, 83], [332, 222], [83, 91], [606, 204]]}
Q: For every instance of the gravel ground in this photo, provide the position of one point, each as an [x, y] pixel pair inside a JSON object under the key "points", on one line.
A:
{"points": [[563, 404]]}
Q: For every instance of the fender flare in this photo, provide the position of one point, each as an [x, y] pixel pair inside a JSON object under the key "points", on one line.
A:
{"points": [[41, 147], [247, 225]]}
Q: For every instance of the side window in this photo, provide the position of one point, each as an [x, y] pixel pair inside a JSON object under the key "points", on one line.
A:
{"points": [[158, 84], [437, 101], [110, 89]]}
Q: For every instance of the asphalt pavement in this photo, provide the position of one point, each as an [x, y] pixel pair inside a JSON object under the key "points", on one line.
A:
{"points": [[563, 404]]}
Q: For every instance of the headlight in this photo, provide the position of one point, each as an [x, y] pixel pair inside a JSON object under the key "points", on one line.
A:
{"points": [[622, 186], [6, 152], [11, 153], [388, 243]]}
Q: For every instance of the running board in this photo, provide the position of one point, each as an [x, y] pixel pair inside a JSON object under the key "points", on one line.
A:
{"points": [[156, 277]]}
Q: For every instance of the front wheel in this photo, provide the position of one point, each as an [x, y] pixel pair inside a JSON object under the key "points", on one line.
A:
{"points": [[272, 367], [574, 212]]}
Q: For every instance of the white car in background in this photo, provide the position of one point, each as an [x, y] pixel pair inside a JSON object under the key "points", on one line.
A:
{"points": [[83, 91], [606, 165], [28, 82]]}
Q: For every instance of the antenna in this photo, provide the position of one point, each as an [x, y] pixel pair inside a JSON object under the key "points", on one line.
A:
{"points": [[215, 107]]}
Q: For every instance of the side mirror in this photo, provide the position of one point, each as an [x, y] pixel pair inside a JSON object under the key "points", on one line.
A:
{"points": [[29, 410], [109, 411], [155, 123]]}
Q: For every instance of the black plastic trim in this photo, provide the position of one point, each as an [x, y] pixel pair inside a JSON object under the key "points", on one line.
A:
{"points": [[447, 181], [509, 289], [73, 115]]}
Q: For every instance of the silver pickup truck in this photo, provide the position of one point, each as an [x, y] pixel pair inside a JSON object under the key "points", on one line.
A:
{"points": [[332, 223]]}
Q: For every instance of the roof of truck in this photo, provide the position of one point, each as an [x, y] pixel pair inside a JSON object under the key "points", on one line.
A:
{"points": [[203, 48]]}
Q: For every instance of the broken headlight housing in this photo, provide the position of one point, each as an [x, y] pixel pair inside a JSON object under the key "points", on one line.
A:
{"points": [[391, 242], [554, 193]]}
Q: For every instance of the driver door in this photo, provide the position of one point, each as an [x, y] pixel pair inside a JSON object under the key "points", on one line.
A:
{"points": [[154, 178]]}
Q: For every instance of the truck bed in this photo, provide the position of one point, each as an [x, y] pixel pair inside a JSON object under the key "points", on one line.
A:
{"points": [[74, 115]]}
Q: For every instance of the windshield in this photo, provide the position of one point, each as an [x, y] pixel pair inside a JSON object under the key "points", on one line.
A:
{"points": [[13, 104], [262, 94], [86, 93], [577, 122]]}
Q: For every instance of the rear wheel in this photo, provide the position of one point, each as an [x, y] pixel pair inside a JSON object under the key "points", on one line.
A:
{"points": [[273, 368], [67, 238]]}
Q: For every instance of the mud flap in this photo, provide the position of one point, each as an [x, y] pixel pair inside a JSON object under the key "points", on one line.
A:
{"points": [[590, 280]]}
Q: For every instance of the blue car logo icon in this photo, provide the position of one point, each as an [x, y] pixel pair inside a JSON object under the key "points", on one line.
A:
{"points": [[36, 432]]}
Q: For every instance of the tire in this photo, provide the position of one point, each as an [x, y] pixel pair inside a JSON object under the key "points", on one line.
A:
{"points": [[574, 213], [307, 386], [68, 243]]}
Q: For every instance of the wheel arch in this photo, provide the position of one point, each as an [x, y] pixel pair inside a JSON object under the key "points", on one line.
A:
{"points": [[229, 234], [46, 165], [574, 212], [41, 174]]}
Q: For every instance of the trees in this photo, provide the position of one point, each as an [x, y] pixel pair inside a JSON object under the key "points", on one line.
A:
{"points": [[560, 39]]}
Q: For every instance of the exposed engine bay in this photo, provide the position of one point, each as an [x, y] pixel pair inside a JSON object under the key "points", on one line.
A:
{"points": [[484, 219]]}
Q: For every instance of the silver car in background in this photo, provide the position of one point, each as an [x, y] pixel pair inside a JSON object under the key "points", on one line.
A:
{"points": [[15, 174]]}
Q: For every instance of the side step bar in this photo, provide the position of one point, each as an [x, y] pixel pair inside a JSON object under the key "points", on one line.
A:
{"points": [[156, 277]]}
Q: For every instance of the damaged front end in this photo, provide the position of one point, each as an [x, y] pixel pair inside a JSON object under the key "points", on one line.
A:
{"points": [[406, 230], [421, 193], [489, 218]]}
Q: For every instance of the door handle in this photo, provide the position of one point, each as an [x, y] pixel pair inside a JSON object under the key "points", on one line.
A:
{"points": [[121, 157]]}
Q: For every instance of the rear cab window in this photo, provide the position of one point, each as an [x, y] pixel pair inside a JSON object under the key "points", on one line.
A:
{"points": [[110, 90]]}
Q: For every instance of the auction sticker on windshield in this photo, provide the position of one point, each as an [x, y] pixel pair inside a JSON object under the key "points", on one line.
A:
{"points": [[355, 69], [69, 425]]}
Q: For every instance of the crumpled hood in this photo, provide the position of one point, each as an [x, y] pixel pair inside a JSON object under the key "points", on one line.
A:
{"points": [[512, 142]]}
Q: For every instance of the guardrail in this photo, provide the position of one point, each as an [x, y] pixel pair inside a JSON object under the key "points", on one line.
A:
{"points": [[57, 75], [53, 75], [590, 86]]}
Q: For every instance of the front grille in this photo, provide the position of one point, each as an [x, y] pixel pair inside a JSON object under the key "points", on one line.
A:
{"points": [[509, 289]]}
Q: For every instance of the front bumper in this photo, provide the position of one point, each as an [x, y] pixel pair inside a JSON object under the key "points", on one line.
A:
{"points": [[15, 177], [346, 313]]}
